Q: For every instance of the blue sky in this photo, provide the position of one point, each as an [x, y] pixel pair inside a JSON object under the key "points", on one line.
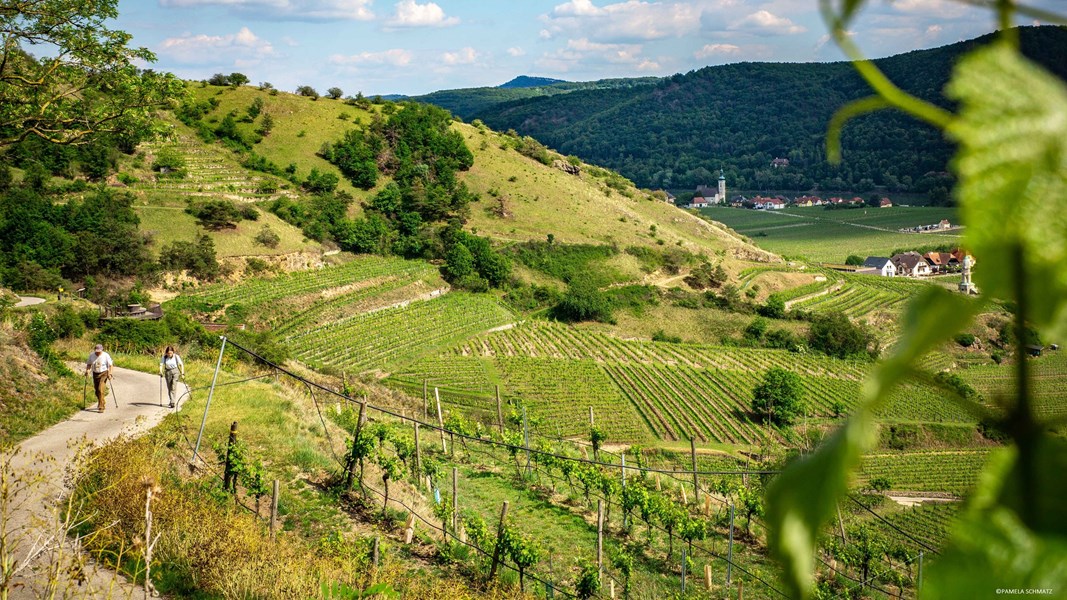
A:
{"points": [[418, 46]]}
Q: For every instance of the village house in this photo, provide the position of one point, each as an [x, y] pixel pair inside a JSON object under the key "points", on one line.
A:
{"points": [[941, 262], [878, 265], [806, 201], [911, 264], [885, 203], [780, 162], [944, 224]]}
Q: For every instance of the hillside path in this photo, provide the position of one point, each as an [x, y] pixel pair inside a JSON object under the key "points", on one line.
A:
{"points": [[28, 301], [50, 453]]}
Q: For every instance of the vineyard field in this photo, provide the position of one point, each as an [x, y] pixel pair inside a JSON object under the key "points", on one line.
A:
{"points": [[560, 393], [554, 340], [267, 290], [955, 472], [396, 336], [928, 522], [1048, 383]]}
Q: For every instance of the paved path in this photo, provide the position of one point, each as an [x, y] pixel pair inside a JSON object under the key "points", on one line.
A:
{"points": [[46, 456], [28, 301]]}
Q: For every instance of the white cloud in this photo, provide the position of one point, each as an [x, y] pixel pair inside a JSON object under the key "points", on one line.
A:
{"points": [[314, 10], [515, 51], [410, 13], [585, 53], [394, 58], [936, 9], [767, 22], [244, 47], [465, 56], [710, 50], [629, 21]]}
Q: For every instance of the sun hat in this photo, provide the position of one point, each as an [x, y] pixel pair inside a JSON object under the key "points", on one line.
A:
{"points": [[99, 347]]}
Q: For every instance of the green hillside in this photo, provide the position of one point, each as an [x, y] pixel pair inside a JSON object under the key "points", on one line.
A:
{"points": [[677, 133]]}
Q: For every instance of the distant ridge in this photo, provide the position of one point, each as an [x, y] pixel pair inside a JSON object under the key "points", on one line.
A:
{"points": [[525, 81]]}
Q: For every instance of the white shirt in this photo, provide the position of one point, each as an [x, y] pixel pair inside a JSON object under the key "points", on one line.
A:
{"points": [[99, 363], [172, 362]]}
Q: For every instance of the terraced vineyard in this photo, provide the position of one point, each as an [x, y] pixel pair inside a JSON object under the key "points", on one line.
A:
{"points": [[394, 336], [929, 522], [1048, 374], [949, 471], [548, 339], [211, 172], [457, 373], [268, 290], [561, 392]]}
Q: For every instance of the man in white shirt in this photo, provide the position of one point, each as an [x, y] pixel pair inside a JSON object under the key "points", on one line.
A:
{"points": [[101, 365]]}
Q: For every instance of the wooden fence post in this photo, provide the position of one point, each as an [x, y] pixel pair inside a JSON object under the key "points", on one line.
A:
{"points": [[600, 537], [707, 576], [409, 529], [229, 475], [455, 501], [730, 552], [526, 443], [274, 511], [499, 410], [374, 554], [696, 481], [740, 589], [350, 466], [425, 399], [499, 533], [591, 417], [440, 420]]}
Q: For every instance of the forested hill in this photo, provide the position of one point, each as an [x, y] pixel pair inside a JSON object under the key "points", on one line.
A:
{"points": [[675, 134], [466, 103]]}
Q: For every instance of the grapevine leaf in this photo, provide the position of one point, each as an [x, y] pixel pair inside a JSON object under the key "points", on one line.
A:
{"points": [[803, 497], [1012, 165]]}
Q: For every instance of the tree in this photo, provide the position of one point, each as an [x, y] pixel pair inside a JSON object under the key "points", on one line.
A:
{"points": [[215, 214], [307, 91], [773, 307], [834, 334], [584, 302], [88, 86], [778, 397], [459, 263], [854, 260], [237, 79], [334, 93]]}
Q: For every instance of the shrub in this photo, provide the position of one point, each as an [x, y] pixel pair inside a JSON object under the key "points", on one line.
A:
{"points": [[198, 258], [584, 302], [773, 307], [835, 335], [268, 237], [67, 323], [965, 339], [854, 260], [215, 214]]}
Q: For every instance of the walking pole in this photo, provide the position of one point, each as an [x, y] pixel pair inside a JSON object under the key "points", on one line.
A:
{"points": [[85, 390], [161, 389], [114, 396]]}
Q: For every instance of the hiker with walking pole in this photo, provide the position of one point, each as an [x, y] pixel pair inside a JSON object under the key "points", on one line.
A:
{"points": [[171, 367], [101, 366]]}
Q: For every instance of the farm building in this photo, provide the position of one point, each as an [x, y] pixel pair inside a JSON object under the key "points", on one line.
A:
{"points": [[879, 265], [911, 264]]}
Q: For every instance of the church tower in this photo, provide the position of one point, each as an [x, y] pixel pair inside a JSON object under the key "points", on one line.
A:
{"points": [[722, 187]]}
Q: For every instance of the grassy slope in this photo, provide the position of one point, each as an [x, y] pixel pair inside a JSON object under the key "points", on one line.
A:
{"points": [[541, 199], [578, 209]]}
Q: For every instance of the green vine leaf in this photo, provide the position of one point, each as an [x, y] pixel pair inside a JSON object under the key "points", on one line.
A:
{"points": [[1012, 165]]}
